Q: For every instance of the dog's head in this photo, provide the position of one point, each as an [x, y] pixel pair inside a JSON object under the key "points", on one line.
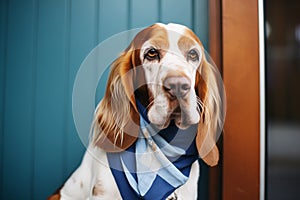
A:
{"points": [[165, 69]]}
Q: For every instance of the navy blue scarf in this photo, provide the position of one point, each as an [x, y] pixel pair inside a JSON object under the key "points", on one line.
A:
{"points": [[142, 172]]}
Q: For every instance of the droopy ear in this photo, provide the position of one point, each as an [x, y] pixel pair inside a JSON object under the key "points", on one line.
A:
{"points": [[209, 91], [116, 122]]}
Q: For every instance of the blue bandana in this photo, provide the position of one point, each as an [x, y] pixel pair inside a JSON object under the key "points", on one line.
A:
{"points": [[157, 163]]}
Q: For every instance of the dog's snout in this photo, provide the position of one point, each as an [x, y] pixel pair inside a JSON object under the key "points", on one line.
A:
{"points": [[177, 87]]}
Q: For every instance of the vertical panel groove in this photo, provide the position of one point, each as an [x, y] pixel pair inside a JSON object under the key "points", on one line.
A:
{"points": [[34, 91], [67, 89], [159, 10], [4, 65], [129, 16], [97, 16], [99, 36], [193, 11]]}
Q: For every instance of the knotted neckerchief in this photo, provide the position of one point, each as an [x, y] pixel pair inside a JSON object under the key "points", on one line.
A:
{"points": [[157, 163]]}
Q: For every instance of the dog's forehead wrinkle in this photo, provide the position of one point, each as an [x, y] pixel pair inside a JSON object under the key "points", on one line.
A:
{"points": [[173, 38]]}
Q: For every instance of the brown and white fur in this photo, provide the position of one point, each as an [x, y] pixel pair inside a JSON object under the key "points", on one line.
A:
{"points": [[165, 68]]}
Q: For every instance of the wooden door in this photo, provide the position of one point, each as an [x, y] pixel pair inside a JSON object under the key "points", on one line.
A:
{"points": [[234, 42]]}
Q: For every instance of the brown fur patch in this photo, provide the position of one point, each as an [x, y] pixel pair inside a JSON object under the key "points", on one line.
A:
{"points": [[98, 189], [54, 197], [185, 43]]}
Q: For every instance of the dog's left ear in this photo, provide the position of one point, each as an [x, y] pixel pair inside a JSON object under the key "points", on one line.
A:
{"points": [[209, 90], [116, 123]]}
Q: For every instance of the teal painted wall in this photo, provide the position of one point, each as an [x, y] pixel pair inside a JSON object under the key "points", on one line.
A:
{"points": [[42, 44]]}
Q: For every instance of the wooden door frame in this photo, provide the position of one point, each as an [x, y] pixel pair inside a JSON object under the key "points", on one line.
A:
{"points": [[236, 45]]}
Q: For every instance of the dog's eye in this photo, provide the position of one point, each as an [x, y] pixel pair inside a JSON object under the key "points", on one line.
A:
{"points": [[192, 55], [152, 54]]}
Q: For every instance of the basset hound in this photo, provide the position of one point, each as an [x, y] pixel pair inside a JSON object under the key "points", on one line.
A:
{"points": [[161, 111]]}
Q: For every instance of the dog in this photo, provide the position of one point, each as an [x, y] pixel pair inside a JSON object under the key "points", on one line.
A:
{"points": [[163, 100]]}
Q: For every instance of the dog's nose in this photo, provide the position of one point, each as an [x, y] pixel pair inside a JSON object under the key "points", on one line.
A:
{"points": [[177, 87]]}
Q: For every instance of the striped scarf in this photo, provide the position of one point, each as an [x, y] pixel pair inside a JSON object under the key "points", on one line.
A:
{"points": [[157, 163]]}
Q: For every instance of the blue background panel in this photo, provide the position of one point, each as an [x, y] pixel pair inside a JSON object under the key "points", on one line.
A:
{"points": [[42, 45]]}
